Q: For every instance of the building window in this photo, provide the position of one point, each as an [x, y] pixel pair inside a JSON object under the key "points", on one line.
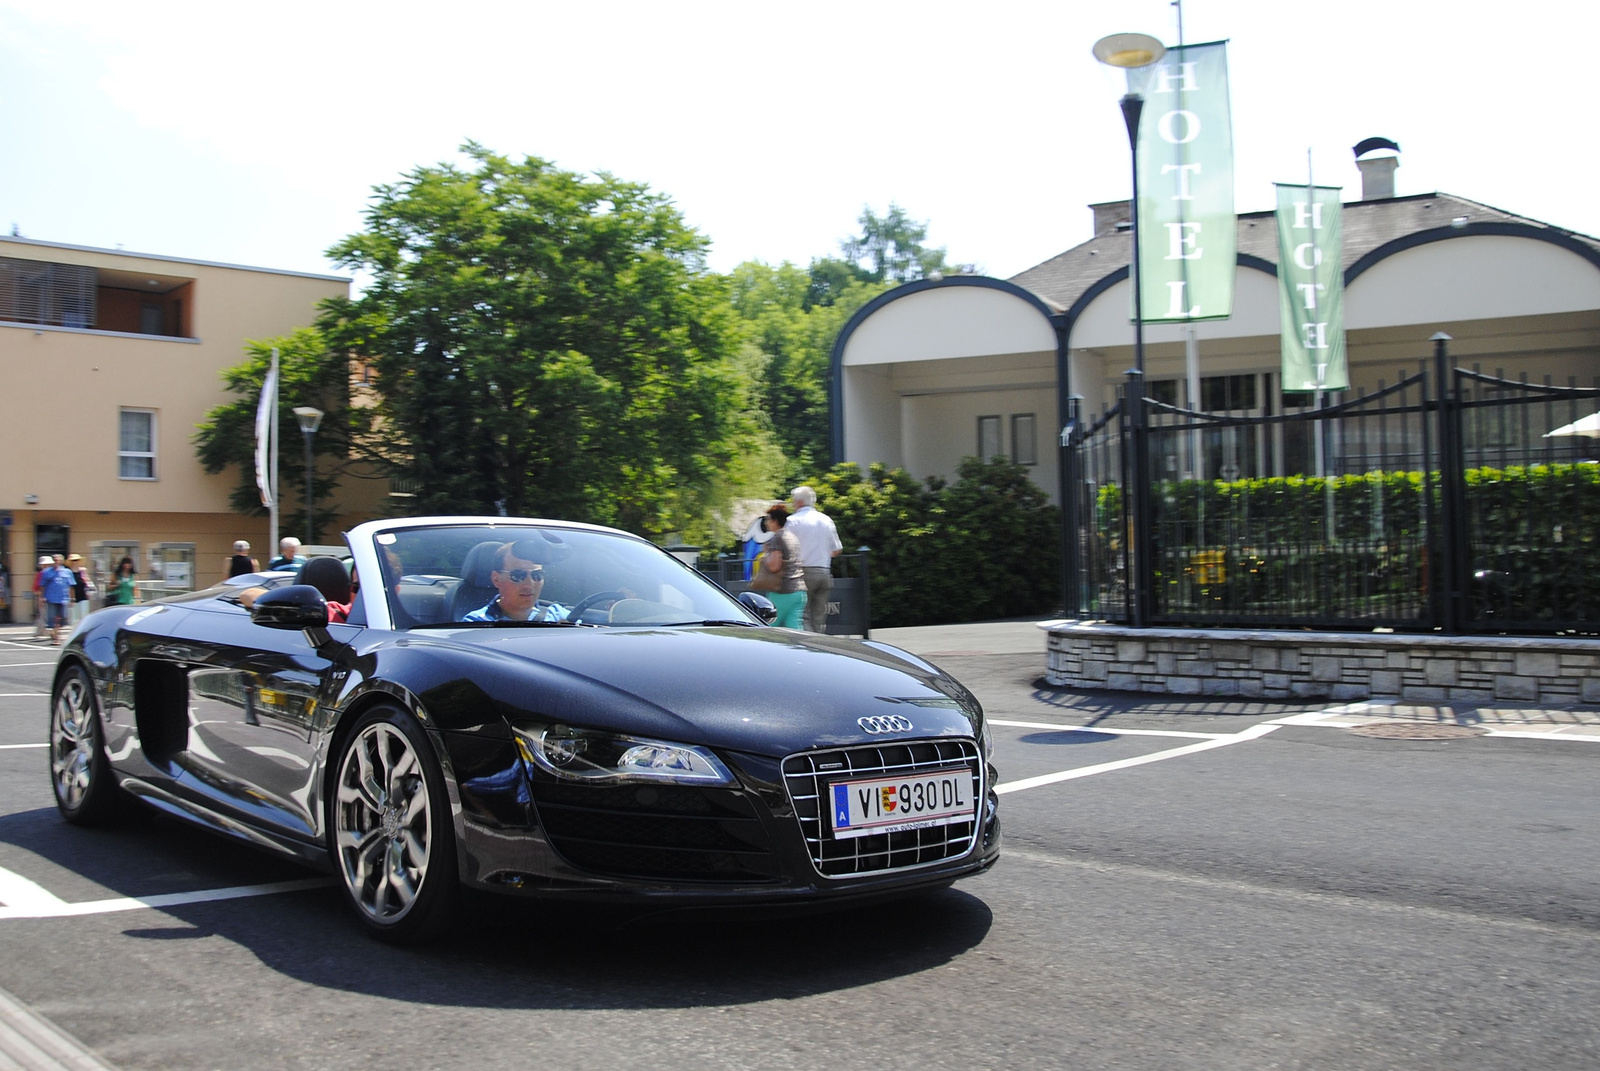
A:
{"points": [[1164, 391], [1024, 448], [1220, 394], [989, 437], [136, 445]]}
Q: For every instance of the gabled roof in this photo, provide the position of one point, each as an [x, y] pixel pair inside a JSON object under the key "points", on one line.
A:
{"points": [[1368, 225]]}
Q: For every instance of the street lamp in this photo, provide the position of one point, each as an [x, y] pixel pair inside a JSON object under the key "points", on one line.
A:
{"points": [[309, 419], [1131, 52]]}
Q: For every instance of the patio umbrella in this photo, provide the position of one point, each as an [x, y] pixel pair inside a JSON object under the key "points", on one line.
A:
{"points": [[1589, 427]]}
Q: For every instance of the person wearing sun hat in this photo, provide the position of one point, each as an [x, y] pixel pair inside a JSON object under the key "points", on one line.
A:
{"points": [[55, 586]]}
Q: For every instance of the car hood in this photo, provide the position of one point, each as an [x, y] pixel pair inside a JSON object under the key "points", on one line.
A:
{"points": [[763, 690]]}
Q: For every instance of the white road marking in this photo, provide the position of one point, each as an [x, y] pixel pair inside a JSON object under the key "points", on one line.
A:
{"points": [[1552, 734], [1356, 715], [1106, 729], [20, 665], [20, 894], [1254, 732], [9, 747], [26, 900]]}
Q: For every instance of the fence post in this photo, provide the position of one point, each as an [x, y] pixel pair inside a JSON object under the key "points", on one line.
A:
{"points": [[1071, 489], [1450, 535], [1141, 575], [866, 592]]}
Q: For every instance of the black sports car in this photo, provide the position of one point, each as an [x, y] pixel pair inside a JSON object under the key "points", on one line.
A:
{"points": [[531, 707]]}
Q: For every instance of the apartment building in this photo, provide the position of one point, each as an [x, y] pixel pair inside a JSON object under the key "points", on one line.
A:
{"points": [[108, 361]]}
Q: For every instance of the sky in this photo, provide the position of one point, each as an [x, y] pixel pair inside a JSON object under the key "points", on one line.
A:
{"points": [[254, 134]]}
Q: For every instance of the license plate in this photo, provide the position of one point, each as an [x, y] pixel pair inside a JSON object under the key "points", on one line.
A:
{"points": [[892, 804]]}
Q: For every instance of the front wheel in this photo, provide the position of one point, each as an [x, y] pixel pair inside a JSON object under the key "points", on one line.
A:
{"points": [[86, 791], [391, 836]]}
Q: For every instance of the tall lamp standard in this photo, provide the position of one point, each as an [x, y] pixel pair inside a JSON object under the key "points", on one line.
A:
{"points": [[310, 419], [1129, 52]]}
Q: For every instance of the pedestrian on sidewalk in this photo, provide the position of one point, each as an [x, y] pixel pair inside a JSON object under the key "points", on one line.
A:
{"points": [[819, 543], [241, 562], [784, 550], [39, 626], [82, 589], [124, 584], [289, 556], [55, 583]]}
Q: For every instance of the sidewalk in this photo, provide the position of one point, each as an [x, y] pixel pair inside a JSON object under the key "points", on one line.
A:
{"points": [[1027, 637]]}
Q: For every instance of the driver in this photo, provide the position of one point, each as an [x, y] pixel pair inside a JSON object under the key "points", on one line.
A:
{"points": [[518, 576]]}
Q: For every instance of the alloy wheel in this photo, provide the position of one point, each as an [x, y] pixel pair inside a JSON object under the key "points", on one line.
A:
{"points": [[72, 741], [382, 822]]}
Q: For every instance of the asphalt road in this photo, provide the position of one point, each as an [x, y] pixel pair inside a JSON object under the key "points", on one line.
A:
{"points": [[1246, 896]]}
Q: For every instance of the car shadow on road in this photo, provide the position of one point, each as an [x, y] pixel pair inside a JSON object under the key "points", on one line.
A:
{"points": [[506, 954]]}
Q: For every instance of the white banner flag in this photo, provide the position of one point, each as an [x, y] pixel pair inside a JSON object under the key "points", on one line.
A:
{"points": [[264, 415]]}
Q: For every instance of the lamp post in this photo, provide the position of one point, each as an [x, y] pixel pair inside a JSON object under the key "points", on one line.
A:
{"points": [[1130, 52], [309, 419]]}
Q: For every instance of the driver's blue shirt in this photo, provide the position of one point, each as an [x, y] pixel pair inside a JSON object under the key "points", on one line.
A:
{"points": [[546, 611]]}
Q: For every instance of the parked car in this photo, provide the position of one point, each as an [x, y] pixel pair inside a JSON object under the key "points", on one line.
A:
{"points": [[635, 733]]}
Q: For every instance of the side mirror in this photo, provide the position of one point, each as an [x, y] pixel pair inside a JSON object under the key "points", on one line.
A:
{"points": [[759, 605], [298, 606]]}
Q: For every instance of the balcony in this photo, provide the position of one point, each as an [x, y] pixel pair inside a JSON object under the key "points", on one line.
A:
{"points": [[76, 296]]}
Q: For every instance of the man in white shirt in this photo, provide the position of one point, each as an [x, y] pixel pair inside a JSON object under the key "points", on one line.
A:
{"points": [[819, 542]]}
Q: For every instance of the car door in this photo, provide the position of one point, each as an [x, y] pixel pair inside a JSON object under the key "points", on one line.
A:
{"points": [[257, 700]]}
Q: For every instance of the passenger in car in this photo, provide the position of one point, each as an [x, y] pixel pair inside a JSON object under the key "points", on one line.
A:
{"points": [[518, 578]]}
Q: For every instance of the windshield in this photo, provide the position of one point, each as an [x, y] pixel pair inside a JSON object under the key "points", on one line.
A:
{"points": [[509, 574]]}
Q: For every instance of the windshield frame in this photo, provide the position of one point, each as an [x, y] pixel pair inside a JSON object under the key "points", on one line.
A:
{"points": [[365, 551]]}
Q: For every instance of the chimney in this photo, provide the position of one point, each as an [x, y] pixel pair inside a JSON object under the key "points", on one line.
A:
{"points": [[1377, 172], [1107, 214]]}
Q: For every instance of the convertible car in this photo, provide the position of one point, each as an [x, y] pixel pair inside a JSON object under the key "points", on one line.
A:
{"points": [[536, 708]]}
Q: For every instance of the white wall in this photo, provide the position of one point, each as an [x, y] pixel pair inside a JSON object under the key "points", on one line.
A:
{"points": [[871, 417], [949, 321], [941, 429], [1108, 319], [1474, 277]]}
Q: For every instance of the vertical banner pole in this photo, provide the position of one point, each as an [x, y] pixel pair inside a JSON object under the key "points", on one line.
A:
{"points": [[272, 450]]}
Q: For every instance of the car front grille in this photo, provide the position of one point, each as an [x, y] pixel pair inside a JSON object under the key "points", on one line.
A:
{"points": [[806, 776], [656, 832]]}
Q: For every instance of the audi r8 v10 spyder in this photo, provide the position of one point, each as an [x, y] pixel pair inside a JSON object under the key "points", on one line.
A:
{"points": [[537, 708]]}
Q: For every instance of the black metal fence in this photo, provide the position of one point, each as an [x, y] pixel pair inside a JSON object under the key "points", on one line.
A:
{"points": [[1410, 508]]}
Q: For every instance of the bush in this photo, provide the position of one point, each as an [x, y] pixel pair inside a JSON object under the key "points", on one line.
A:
{"points": [[984, 547]]}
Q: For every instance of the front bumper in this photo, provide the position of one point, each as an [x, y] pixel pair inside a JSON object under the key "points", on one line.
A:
{"points": [[521, 832]]}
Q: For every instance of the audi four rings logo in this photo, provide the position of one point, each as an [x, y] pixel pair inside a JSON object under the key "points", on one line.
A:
{"points": [[888, 723]]}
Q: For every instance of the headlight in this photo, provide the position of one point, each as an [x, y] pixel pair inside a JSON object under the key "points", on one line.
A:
{"points": [[597, 757], [985, 740]]}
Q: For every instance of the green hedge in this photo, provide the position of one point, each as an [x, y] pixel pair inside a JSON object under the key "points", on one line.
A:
{"points": [[1535, 528], [986, 546]]}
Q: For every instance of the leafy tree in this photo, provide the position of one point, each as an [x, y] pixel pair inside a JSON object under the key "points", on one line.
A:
{"points": [[544, 342], [795, 342], [308, 374], [889, 249]]}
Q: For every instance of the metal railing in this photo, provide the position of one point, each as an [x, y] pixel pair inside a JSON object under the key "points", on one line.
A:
{"points": [[1409, 507]]}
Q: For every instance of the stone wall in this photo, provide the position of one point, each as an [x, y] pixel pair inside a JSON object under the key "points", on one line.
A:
{"points": [[1324, 665]]}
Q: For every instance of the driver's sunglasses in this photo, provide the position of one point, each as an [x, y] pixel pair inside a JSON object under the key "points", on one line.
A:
{"points": [[519, 575]]}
